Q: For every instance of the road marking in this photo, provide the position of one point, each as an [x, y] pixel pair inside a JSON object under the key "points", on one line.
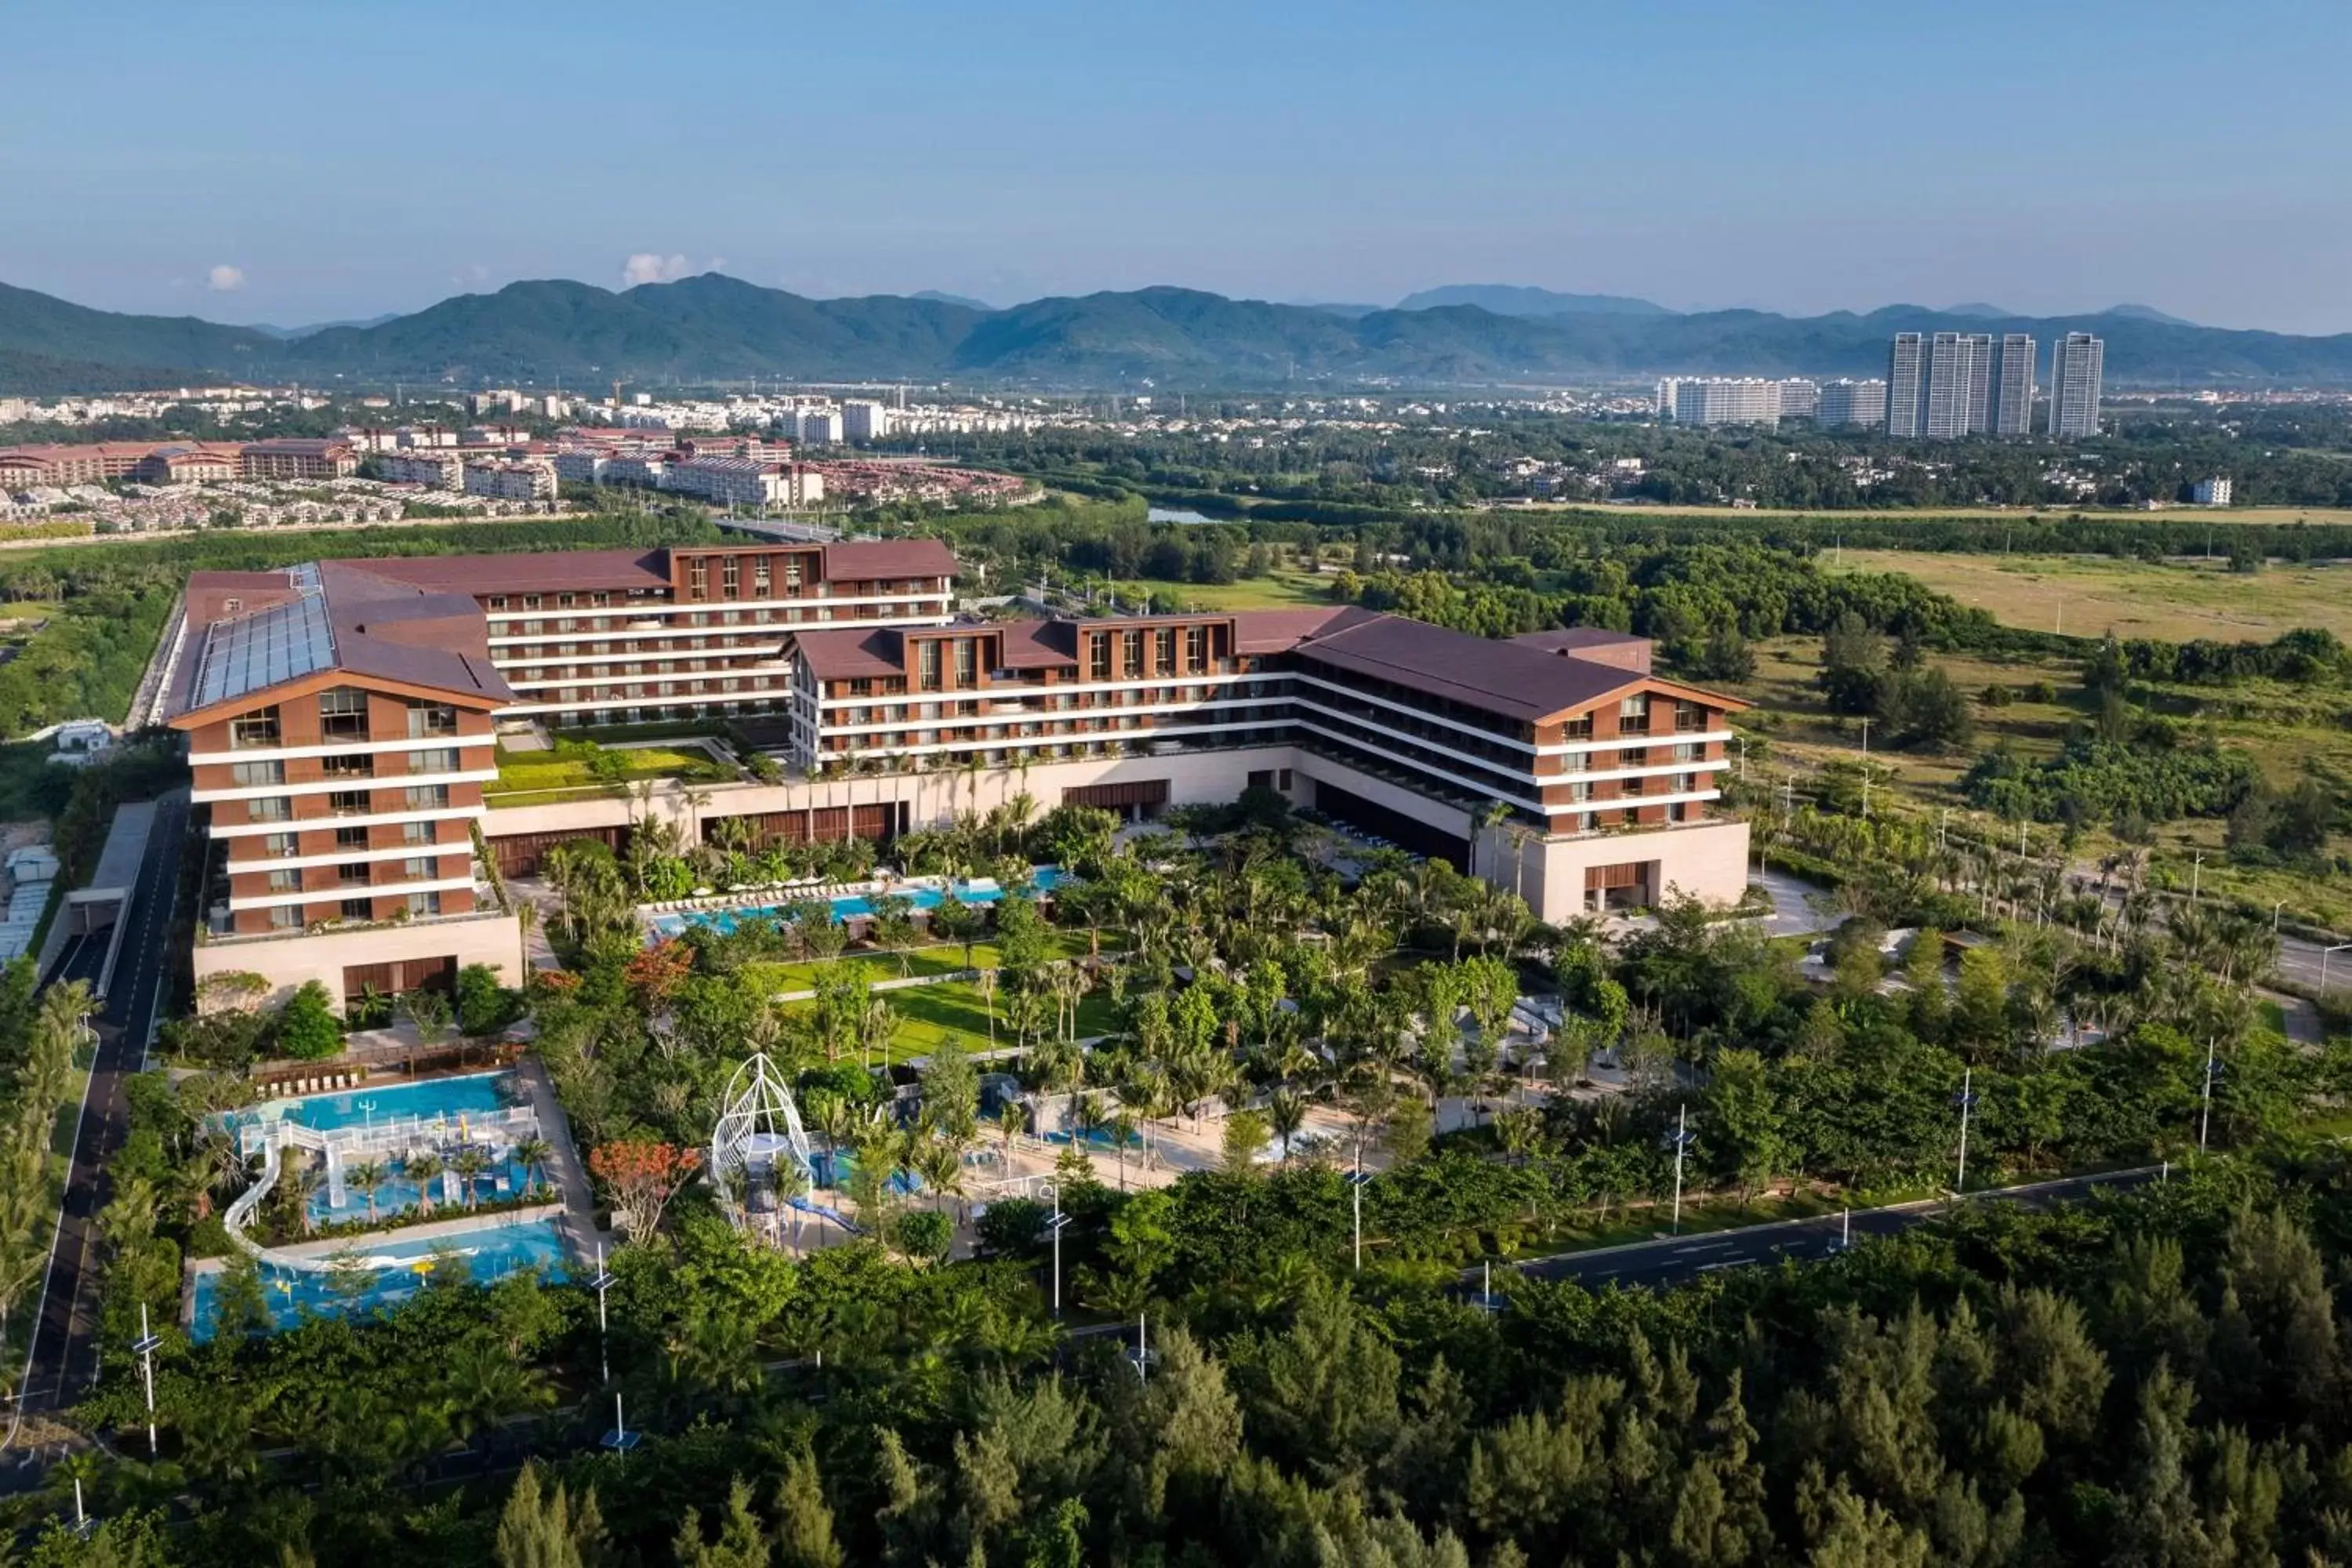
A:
{"points": [[1725, 1263]]}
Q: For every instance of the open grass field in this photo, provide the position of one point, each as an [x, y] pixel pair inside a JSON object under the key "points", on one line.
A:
{"points": [[1277, 591], [2281, 727], [2270, 514], [2090, 594]]}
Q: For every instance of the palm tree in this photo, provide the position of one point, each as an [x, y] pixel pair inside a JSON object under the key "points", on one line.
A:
{"points": [[1011, 1121], [470, 1163], [1121, 1127], [424, 1169], [367, 1175], [532, 1154], [1286, 1114]]}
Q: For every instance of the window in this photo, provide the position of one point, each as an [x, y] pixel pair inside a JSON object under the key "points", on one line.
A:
{"points": [[1634, 712], [428, 719], [418, 868], [285, 881], [343, 714], [252, 775], [352, 874], [565, 601], [1678, 812], [416, 832], [232, 606], [759, 578], [1131, 654], [1196, 649], [436, 760], [259, 729], [530, 601], [348, 803], [280, 844], [276, 808], [697, 578], [1164, 661], [731, 578], [356, 909], [427, 797], [1098, 660], [351, 766], [497, 602], [423, 904], [1577, 729], [967, 663], [285, 917], [351, 837]]}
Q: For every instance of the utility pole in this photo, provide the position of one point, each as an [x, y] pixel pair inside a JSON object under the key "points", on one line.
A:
{"points": [[2196, 873], [602, 1283], [145, 1350], [1967, 1098], [1682, 1141], [2205, 1113]]}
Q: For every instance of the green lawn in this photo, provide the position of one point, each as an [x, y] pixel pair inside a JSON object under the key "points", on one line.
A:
{"points": [[535, 777], [930, 1014], [944, 958], [1277, 591]]}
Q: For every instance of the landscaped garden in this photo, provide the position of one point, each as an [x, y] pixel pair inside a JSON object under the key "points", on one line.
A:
{"points": [[579, 768]]}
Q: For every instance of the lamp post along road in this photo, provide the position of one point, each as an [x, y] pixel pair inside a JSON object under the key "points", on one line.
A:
{"points": [[1967, 1098], [145, 1349], [1681, 1137], [602, 1283]]}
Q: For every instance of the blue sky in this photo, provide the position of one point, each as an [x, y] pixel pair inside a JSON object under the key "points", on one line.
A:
{"points": [[292, 163]]}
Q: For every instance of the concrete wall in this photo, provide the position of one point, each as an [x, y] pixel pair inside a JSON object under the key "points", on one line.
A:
{"points": [[1707, 860], [288, 963]]}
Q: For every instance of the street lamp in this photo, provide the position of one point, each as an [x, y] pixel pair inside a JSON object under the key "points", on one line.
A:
{"points": [[602, 1283], [1680, 1140], [2340, 947], [144, 1348], [2213, 1071], [1357, 1178], [2196, 869], [1054, 1228], [620, 1440], [2274, 915], [1967, 1100]]}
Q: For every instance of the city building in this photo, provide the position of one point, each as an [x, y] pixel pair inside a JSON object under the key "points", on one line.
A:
{"points": [[299, 457], [442, 470], [863, 419], [184, 463], [509, 480], [2214, 491], [340, 731], [1800, 398], [1606, 770], [1845, 403], [2011, 390], [746, 482], [2077, 362], [1941, 386], [1722, 400], [1906, 386]]}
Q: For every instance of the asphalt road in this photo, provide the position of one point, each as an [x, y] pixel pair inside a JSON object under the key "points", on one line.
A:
{"points": [[1676, 1259], [65, 1357]]}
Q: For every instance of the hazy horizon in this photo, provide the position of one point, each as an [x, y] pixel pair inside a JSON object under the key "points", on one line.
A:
{"points": [[292, 165]]}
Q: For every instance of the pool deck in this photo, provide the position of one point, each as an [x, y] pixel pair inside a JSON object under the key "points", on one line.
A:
{"points": [[361, 1241], [578, 1227]]}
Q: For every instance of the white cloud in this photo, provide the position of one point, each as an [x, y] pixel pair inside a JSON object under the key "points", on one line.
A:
{"points": [[647, 267], [225, 279]]}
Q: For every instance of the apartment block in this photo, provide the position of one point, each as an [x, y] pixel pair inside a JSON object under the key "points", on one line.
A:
{"points": [[2077, 363], [1848, 402]]}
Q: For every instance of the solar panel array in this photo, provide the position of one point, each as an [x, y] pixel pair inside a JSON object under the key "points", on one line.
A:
{"points": [[279, 643]]}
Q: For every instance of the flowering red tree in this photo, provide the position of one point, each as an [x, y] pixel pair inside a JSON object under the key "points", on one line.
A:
{"points": [[656, 971], [642, 1175]]}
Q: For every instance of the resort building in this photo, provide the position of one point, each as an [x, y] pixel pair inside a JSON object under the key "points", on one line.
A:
{"points": [[340, 731], [342, 717], [1558, 763]]}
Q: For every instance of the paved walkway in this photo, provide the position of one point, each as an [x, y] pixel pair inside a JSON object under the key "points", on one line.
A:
{"points": [[578, 1227]]}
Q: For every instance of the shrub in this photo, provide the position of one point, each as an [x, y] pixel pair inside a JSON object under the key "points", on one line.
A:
{"points": [[308, 1029]]}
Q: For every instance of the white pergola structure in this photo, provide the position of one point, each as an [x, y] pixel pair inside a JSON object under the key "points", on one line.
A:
{"points": [[758, 1129]]}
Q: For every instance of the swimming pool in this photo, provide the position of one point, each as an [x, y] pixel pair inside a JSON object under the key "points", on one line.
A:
{"points": [[474, 1094], [1045, 880], [400, 1269]]}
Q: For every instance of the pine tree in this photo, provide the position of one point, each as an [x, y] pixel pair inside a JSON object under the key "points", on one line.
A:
{"points": [[804, 1537]]}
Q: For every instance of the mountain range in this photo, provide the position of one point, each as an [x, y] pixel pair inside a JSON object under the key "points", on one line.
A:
{"points": [[714, 328]]}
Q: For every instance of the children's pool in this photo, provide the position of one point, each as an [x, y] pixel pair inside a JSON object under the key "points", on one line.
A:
{"points": [[474, 1094], [397, 1270], [1045, 878]]}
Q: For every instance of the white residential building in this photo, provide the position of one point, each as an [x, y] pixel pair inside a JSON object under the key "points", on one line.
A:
{"points": [[2214, 491], [864, 419]]}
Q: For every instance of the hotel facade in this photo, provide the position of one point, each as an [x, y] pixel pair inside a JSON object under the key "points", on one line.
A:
{"points": [[343, 718]]}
